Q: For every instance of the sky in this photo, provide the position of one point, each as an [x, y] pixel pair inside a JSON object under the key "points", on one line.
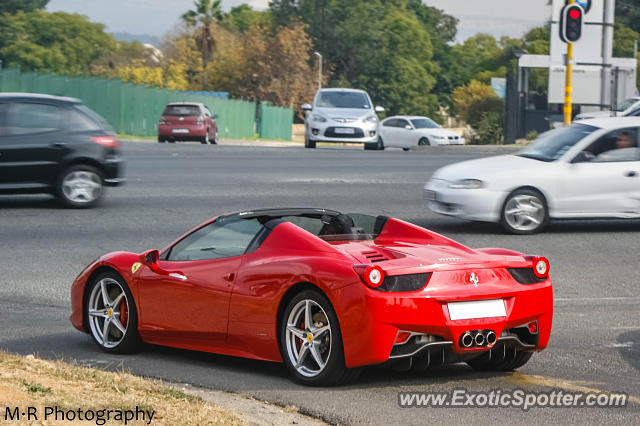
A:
{"points": [[157, 17]]}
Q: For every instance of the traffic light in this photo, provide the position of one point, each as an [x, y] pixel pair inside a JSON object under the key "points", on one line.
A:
{"points": [[571, 22]]}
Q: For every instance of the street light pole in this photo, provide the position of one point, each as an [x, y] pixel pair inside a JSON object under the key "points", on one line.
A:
{"points": [[319, 69]]}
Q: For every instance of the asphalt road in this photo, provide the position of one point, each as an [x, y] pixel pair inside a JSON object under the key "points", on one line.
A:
{"points": [[595, 343]]}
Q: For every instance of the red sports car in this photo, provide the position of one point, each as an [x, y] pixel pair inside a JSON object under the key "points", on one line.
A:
{"points": [[322, 291]]}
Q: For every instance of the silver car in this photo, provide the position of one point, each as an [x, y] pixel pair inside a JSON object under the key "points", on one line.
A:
{"points": [[342, 115]]}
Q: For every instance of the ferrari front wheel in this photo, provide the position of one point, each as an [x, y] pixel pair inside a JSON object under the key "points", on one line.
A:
{"points": [[311, 342], [112, 314]]}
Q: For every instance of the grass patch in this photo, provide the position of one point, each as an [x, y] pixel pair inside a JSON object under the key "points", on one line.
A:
{"points": [[29, 381]]}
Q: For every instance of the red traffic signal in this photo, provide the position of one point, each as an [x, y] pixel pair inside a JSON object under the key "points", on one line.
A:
{"points": [[571, 23]]}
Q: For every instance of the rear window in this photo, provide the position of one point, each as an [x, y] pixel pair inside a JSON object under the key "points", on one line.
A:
{"points": [[181, 110], [91, 115]]}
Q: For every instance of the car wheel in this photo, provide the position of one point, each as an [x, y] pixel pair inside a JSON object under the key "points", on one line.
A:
{"points": [[214, 141], [112, 315], [424, 142], [80, 186], [380, 146], [205, 138], [311, 343], [161, 139], [524, 212], [405, 149], [308, 143], [507, 361]]}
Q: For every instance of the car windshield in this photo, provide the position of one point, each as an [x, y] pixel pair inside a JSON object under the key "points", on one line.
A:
{"points": [[626, 104], [555, 143], [424, 123], [181, 110], [346, 99]]}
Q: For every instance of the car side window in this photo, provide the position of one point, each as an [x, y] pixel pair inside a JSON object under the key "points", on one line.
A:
{"points": [[617, 146], [390, 123], [402, 123], [79, 121], [221, 239], [29, 118], [4, 111]]}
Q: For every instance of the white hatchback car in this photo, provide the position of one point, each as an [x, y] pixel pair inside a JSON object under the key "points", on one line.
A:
{"points": [[589, 169], [405, 131], [341, 115], [624, 109]]}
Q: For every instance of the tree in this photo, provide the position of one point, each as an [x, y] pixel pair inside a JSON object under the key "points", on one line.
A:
{"points": [[243, 17], [473, 101], [623, 41], [283, 11], [628, 14], [58, 42], [12, 6], [202, 19]]}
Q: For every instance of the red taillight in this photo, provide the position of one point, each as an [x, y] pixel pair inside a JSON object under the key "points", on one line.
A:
{"points": [[162, 120], [200, 120], [402, 337], [108, 141], [540, 267], [373, 276]]}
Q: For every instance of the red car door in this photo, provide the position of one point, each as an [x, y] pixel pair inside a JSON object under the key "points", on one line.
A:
{"points": [[186, 298]]}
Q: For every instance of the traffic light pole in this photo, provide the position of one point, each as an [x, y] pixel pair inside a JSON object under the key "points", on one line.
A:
{"points": [[567, 80], [567, 85]]}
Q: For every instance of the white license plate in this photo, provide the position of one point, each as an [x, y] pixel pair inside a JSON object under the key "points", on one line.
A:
{"points": [[476, 309], [430, 195], [180, 130], [344, 131]]}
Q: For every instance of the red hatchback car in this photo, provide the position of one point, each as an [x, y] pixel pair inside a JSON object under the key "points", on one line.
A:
{"points": [[187, 121]]}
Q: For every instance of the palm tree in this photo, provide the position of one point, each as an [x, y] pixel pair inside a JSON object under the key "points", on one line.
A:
{"points": [[206, 13]]}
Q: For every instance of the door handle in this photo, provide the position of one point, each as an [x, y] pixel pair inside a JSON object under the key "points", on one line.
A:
{"points": [[631, 173], [58, 145], [229, 277], [178, 276]]}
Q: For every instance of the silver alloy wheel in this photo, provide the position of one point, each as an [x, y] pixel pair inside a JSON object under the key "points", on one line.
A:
{"points": [[108, 312], [82, 186], [524, 212], [424, 142], [308, 338]]}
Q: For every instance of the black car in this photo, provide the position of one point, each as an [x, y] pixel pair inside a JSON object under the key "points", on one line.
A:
{"points": [[56, 145]]}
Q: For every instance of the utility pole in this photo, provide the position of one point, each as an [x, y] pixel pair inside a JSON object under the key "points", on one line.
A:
{"points": [[319, 69], [607, 43], [567, 81]]}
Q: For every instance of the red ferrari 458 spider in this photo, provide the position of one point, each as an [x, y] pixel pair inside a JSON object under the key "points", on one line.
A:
{"points": [[323, 292]]}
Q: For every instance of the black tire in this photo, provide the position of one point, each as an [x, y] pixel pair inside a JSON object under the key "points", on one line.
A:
{"points": [[171, 140], [511, 361], [129, 341], [205, 138], [161, 139], [334, 372], [424, 142], [542, 216], [374, 146], [308, 143], [65, 193], [405, 149], [214, 141]]}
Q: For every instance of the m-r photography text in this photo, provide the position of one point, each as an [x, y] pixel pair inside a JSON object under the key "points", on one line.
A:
{"points": [[56, 414]]}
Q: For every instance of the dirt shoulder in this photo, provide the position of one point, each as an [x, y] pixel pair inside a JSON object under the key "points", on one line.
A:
{"points": [[36, 391]]}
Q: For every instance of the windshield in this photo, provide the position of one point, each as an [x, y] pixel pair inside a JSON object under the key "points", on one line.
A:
{"points": [[627, 103], [555, 143], [424, 123], [337, 99], [185, 110]]}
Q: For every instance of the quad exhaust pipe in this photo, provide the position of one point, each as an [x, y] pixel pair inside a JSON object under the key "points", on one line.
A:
{"points": [[478, 338]]}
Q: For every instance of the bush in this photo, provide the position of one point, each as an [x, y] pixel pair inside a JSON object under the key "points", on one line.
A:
{"points": [[473, 101], [490, 129], [531, 135]]}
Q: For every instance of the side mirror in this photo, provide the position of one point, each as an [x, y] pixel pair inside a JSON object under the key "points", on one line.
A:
{"points": [[306, 107], [408, 127], [583, 157], [214, 116], [378, 108], [150, 257]]}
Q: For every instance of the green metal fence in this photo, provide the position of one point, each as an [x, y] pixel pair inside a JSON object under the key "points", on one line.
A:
{"points": [[134, 109], [274, 122]]}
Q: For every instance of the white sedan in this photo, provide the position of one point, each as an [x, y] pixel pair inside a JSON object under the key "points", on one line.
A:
{"points": [[406, 131], [589, 169]]}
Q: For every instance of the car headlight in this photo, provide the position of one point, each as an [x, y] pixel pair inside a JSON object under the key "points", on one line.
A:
{"points": [[319, 118], [467, 184], [371, 118]]}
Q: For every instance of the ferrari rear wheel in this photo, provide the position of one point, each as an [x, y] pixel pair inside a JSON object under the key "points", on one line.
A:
{"points": [[311, 343], [112, 315]]}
